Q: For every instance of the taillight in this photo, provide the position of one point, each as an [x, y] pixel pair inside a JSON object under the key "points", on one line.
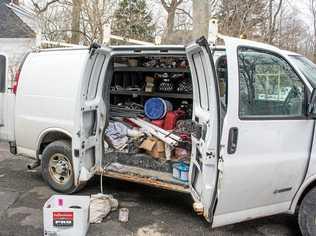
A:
{"points": [[16, 83], [17, 74]]}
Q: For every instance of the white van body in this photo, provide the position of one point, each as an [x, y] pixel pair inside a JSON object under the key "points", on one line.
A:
{"points": [[7, 102], [45, 99], [268, 171]]}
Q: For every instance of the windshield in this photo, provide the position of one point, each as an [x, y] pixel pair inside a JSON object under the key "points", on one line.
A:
{"points": [[307, 67]]}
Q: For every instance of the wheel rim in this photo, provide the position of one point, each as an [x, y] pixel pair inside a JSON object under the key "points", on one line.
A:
{"points": [[60, 168]]}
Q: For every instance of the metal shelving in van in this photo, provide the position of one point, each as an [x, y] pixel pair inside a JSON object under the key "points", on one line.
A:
{"points": [[154, 94]]}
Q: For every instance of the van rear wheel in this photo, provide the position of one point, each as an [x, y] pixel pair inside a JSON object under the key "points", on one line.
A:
{"points": [[307, 214], [57, 168]]}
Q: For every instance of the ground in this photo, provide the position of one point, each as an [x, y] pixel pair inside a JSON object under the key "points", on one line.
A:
{"points": [[152, 211]]}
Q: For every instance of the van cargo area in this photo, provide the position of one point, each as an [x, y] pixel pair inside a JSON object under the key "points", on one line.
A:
{"points": [[148, 138]]}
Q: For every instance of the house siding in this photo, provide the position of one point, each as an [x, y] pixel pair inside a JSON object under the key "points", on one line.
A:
{"points": [[15, 49]]}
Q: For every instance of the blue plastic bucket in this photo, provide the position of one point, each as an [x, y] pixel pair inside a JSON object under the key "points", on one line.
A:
{"points": [[180, 171], [157, 108]]}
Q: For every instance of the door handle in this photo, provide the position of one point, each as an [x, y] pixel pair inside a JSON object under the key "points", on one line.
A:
{"points": [[232, 140]]}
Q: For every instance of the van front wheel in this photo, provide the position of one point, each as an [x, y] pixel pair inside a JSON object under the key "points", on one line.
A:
{"points": [[57, 169], [307, 214]]}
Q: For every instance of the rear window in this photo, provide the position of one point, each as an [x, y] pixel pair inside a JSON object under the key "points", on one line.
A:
{"points": [[3, 66]]}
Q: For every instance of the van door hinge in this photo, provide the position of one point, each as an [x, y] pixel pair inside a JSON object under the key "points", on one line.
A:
{"points": [[76, 153], [210, 154], [93, 48]]}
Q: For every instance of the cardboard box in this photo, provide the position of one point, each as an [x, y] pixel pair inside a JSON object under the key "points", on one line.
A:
{"points": [[154, 147]]}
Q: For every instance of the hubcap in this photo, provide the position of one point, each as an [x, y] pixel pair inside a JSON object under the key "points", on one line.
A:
{"points": [[60, 168]]}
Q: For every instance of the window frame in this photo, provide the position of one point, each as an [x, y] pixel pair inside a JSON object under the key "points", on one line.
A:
{"points": [[226, 82], [98, 65], [304, 115], [198, 84]]}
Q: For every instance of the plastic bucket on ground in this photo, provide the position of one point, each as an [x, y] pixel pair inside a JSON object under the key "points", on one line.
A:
{"points": [[66, 215]]}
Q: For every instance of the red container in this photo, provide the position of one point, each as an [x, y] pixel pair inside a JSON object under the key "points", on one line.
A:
{"points": [[171, 119], [158, 123]]}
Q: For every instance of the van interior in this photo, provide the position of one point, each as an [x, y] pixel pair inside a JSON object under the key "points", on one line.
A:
{"points": [[148, 136]]}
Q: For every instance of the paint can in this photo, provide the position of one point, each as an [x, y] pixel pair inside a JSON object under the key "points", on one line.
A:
{"points": [[175, 171], [123, 215], [184, 172], [180, 171]]}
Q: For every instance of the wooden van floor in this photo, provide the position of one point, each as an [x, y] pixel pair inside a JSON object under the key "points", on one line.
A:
{"points": [[144, 176]]}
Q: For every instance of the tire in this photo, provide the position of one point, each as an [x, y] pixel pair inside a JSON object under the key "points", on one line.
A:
{"points": [[307, 214], [57, 168]]}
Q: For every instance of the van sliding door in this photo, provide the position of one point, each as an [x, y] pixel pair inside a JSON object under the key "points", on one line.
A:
{"points": [[90, 117], [206, 117]]}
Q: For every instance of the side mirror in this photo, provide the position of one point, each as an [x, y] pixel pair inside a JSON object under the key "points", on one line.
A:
{"points": [[312, 105]]}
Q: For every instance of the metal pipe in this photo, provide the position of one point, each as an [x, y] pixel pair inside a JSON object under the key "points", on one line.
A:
{"points": [[34, 164]]}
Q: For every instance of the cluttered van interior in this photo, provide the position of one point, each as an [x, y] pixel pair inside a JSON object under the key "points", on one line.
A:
{"points": [[148, 137]]}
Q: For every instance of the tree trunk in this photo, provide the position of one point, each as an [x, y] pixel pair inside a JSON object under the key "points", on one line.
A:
{"points": [[273, 19], [200, 18], [269, 38], [170, 24], [75, 24], [314, 49]]}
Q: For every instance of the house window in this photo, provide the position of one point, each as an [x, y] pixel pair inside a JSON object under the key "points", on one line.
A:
{"points": [[3, 69], [268, 86]]}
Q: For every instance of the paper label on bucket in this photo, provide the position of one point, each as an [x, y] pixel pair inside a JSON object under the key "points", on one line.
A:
{"points": [[61, 219]]}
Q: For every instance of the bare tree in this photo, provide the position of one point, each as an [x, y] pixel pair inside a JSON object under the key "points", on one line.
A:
{"points": [[75, 24], [273, 14], [200, 18], [170, 7], [313, 11], [241, 17], [271, 21], [39, 8]]}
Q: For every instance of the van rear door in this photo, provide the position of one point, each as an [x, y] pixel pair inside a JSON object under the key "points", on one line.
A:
{"points": [[7, 103], [90, 117], [206, 120]]}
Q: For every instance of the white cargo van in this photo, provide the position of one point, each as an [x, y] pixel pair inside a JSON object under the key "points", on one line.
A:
{"points": [[252, 112]]}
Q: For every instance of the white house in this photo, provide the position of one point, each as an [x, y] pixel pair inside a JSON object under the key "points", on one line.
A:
{"points": [[19, 32]]}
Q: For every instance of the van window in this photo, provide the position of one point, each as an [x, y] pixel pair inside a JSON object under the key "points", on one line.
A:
{"points": [[268, 86], [95, 77], [199, 64], [3, 68]]}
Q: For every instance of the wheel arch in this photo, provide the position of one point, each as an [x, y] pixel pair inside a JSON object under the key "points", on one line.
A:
{"points": [[50, 135], [308, 184]]}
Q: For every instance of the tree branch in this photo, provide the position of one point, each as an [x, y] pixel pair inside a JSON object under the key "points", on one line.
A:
{"points": [[45, 7], [185, 13]]}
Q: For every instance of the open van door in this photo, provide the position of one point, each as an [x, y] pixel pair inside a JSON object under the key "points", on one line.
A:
{"points": [[203, 173], [90, 116], [7, 103]]}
